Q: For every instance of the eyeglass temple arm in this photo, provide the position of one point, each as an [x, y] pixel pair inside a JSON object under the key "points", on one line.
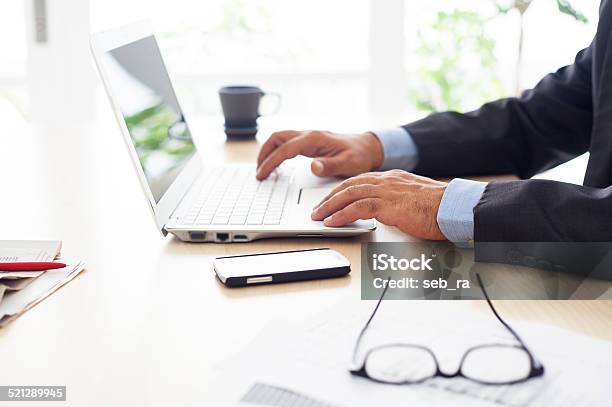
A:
{"points": [[367, 324], [499, 318]]}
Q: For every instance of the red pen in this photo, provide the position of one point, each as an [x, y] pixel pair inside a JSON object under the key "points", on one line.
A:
{"points": [[31, 266]]}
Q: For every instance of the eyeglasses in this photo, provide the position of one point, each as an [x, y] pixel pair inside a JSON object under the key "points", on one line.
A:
{"points": [[405, 363]]}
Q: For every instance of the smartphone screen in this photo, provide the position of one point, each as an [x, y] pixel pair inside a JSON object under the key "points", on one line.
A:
{"points": [[279, 263]]}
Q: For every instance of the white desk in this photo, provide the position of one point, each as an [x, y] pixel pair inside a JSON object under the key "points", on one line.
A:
{"points": [[147, 320]]}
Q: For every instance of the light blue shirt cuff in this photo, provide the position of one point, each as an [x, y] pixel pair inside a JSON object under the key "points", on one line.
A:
{"points": [[399, 149], [456, 212]]}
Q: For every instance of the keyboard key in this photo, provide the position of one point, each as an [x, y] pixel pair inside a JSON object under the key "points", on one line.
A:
{"points": [[220, 220], [237, 220], [253, 219]]}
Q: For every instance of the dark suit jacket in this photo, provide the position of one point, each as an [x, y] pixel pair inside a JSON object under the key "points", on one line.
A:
{"points": [[567, 114]]}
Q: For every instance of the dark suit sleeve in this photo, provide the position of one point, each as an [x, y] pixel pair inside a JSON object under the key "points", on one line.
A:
{"points": [[543, 211], [546, 224], [548, 125]]}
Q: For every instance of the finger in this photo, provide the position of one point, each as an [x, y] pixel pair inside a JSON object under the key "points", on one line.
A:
{"points": [[329, 166], [286, 151], [363, 209], [275, 140], [367, 178], [345, 198]]}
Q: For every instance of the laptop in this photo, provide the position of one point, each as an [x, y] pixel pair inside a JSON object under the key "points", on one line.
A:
{"points": [[192, 200]]}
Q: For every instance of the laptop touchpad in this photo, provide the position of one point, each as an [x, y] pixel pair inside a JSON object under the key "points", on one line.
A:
{"points": [[309, 197]]}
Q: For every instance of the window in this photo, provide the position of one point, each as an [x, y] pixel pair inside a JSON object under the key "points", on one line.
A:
{"points": [[12, 42], [337, 58], [13, 56], [314, 53], [460, 54]]}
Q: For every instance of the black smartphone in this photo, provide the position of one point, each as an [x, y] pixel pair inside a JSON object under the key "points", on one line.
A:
{"points": [[280, 267]]}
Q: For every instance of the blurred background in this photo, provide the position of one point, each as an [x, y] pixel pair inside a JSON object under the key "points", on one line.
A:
{"points": [[346, 57]]}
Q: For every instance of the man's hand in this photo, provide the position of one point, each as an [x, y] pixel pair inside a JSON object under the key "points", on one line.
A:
{"points": [[395, 198], [334, 155]]}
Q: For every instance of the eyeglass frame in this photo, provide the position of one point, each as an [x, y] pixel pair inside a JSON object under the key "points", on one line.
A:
{"points": [[536, 368]]}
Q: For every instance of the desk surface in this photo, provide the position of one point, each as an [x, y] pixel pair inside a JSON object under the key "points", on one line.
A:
{"points": [[148, 319]]}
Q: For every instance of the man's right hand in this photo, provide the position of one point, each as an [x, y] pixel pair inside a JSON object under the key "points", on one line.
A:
{"points": [[334, 155]]}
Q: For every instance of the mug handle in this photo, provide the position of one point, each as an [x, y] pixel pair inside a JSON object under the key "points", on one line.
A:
{"points": [[278, 103]]}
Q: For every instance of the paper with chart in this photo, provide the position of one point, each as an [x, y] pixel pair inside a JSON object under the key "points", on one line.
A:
{"points": [[21, 251], [20, 291], [313, 358], [24, 251], [262, 394], [15, 304]]}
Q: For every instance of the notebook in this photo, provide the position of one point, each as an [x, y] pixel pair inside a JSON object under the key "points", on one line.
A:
{"points": [[20, 291]]}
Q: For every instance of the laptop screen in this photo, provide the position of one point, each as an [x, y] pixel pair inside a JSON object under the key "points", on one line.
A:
{"points": [[140, 83]]}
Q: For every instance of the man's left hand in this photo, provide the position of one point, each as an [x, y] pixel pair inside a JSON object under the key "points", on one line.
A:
{"points": [[397, 198]]}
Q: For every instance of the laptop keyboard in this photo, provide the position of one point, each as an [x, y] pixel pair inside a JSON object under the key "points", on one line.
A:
{"points": [[232, 196]]}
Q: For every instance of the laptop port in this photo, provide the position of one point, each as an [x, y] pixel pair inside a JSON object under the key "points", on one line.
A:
{"points": [[222, 237], [197, 235], [240, 238]]}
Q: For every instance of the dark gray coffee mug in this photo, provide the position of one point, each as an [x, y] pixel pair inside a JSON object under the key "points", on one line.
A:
{"points": [[240, 106]]}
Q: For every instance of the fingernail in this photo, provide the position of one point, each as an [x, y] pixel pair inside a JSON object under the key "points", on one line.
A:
{"points": [[329, 220], [317, 167]]}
